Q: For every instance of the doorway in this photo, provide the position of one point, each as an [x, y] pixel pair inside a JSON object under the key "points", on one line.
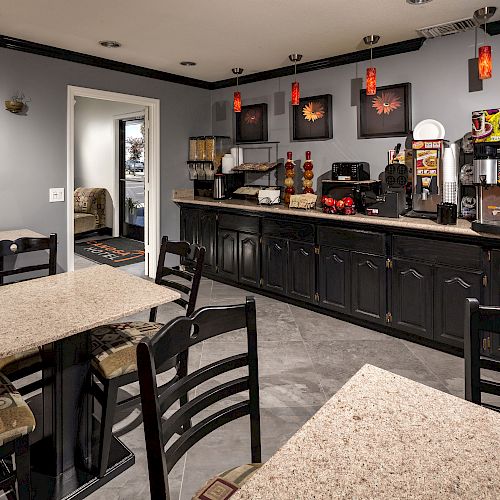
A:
{"points": [[137, 213], [131, 161]]}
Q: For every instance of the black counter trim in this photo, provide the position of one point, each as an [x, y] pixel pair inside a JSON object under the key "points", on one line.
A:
{"points": [[12, 43]]}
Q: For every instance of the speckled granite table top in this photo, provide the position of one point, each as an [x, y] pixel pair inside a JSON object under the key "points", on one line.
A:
{"points": [[462, 228], [384, 436], [43, 310], [14, 234]]}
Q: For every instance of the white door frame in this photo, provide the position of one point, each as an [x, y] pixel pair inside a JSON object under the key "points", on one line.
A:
{"points": [[151, 173]]}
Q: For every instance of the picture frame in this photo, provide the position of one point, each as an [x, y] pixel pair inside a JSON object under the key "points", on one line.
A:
{"points": [[387, 113], [251, 124], [312, 119]]}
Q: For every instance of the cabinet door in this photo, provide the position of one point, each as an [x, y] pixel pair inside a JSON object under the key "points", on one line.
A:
{"points": [[368, 292], [249, 259], [334, 279], [274, 264], [228, 254], [301, 265], [190, 219], [412, 304], [206, 238], [451, 288]]}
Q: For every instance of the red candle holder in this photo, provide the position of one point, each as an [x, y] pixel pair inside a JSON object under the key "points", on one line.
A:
{"points": [[237, 102], [295, 93], [485, 63], [371, 81]]}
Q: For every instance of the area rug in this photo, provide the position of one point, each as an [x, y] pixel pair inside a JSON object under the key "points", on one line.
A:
{"points": [[115, 252]]}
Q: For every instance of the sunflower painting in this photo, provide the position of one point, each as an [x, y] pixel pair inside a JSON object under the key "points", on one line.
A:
{"points": [[312, 118], [251, 123], [387, 114]]}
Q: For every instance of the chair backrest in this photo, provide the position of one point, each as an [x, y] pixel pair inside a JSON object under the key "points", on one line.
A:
{"points": [[175, 337], [192, 279], [480, 320], [24, 245]]}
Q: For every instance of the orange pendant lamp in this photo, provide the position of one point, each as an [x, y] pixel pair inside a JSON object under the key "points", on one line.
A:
{"points": [[485, 64], [371, 72], [237, 94], [295, 58]]}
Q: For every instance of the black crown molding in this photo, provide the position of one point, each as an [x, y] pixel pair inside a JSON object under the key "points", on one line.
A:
{"points": [[101, 62]]}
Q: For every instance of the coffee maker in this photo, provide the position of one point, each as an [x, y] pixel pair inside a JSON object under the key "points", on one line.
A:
{"points": [[486, 176]]}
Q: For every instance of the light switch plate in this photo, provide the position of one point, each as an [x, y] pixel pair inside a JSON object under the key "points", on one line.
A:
{"points": [[56, 194]]}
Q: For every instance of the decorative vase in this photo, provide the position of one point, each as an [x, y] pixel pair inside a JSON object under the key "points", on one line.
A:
{"points": [[289, 178], [307, 182]]}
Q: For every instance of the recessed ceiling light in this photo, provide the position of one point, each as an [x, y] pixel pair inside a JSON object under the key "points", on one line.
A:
{"points": [[418, 2], [110, 44], [187, 63]]}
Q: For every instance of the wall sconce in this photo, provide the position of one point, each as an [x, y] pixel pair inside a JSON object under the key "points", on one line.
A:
{"points": [[16, 103]]}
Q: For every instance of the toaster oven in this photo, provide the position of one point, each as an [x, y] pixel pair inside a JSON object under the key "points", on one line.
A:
{"points": [[351, 171]]}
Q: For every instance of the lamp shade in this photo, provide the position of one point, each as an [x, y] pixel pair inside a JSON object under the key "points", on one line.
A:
{"points": [[295, 93], [485, 63], [371, 81], [237, 102]]}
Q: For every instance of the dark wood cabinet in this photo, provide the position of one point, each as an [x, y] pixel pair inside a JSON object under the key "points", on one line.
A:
{"points": [[451, 288], [228, 254], [301, 271], [368, 287], [207, 234], [274, 264], [412, 297], [249, 258], [334, 279]]}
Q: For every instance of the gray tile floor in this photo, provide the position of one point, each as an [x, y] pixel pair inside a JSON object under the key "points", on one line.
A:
{"points": [[304, 358]]}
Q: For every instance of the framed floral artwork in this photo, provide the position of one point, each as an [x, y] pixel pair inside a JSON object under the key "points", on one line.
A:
{"points": [[385, 114], [251, 123], [312, 119]]}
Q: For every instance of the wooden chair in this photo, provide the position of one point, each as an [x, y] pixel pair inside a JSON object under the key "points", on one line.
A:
{"points": [[479, 319], [17, 423], [23, 364], [114, 362], [177, 336]]}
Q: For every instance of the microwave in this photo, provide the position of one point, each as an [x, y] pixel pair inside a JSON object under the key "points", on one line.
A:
{"points": [[351, 171]]}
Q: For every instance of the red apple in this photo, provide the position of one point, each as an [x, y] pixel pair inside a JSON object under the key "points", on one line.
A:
{"points": [[349, 202], [340, 204], [323, 199], [329, 202]]}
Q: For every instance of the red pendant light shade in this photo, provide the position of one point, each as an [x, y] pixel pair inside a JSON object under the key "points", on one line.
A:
{"points": [[371, 81], [295, 93], [485, 62], [237, 102], [237, 94]]}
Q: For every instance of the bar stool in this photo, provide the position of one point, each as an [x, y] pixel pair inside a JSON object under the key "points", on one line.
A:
{"points": [[114, 346], [16, 423], [20, 365]]}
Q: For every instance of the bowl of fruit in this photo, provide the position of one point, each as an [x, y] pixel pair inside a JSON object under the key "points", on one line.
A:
{"points": [[344, 206]]}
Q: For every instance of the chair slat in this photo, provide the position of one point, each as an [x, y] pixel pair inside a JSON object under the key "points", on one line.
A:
{"points": [[491, 407], [181, 302], [170, 271], [490, 387], [183, 386], [490, 364], [201, 402], [201, 429], [177, 286], [26, 269]]}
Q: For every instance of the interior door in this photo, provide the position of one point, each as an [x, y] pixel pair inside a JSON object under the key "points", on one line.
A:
{"points": [[133, 154]]}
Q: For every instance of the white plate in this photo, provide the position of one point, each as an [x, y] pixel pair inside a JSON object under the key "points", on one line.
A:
{"points": [[428, 130]]}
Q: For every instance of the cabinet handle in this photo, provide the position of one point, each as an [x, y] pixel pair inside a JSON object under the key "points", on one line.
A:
{"points": [[304, 253], [277, 247]]}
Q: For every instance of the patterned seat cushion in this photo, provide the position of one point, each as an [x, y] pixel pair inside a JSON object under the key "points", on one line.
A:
{"points": [[224, 485], [114, 346], [16, 362], [16, 418]]}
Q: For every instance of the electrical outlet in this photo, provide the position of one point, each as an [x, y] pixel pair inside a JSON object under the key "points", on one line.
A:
{"points": [[56, 194]]}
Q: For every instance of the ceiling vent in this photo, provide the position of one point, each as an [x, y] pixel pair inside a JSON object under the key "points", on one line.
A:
{"points": [[450, 28]]}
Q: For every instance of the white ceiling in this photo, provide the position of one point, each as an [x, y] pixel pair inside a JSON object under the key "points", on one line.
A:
{"points": [[256, 35]]}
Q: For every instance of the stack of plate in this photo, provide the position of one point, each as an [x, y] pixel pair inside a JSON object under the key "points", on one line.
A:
{"points": [[428, 130]]}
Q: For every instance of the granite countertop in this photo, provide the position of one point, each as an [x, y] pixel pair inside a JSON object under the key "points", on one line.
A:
{"points": [[14, 234], [462, 227], [43, 310], [384, 436]]}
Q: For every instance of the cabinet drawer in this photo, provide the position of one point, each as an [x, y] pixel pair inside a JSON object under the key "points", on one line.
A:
{"points": [[243, 223], [288, 230], [438, 252], [353, 239]]}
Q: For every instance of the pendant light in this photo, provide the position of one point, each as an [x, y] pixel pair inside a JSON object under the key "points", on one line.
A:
{"points": [[295, 58], [237, 94], [371, 72], [484, 59]]}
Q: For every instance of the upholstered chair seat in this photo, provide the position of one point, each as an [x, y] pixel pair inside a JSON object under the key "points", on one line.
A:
{"points": [[21, 361]]}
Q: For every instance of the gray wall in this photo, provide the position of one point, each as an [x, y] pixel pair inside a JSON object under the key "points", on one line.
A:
{"points": [[34, 146], [438, 74]]}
